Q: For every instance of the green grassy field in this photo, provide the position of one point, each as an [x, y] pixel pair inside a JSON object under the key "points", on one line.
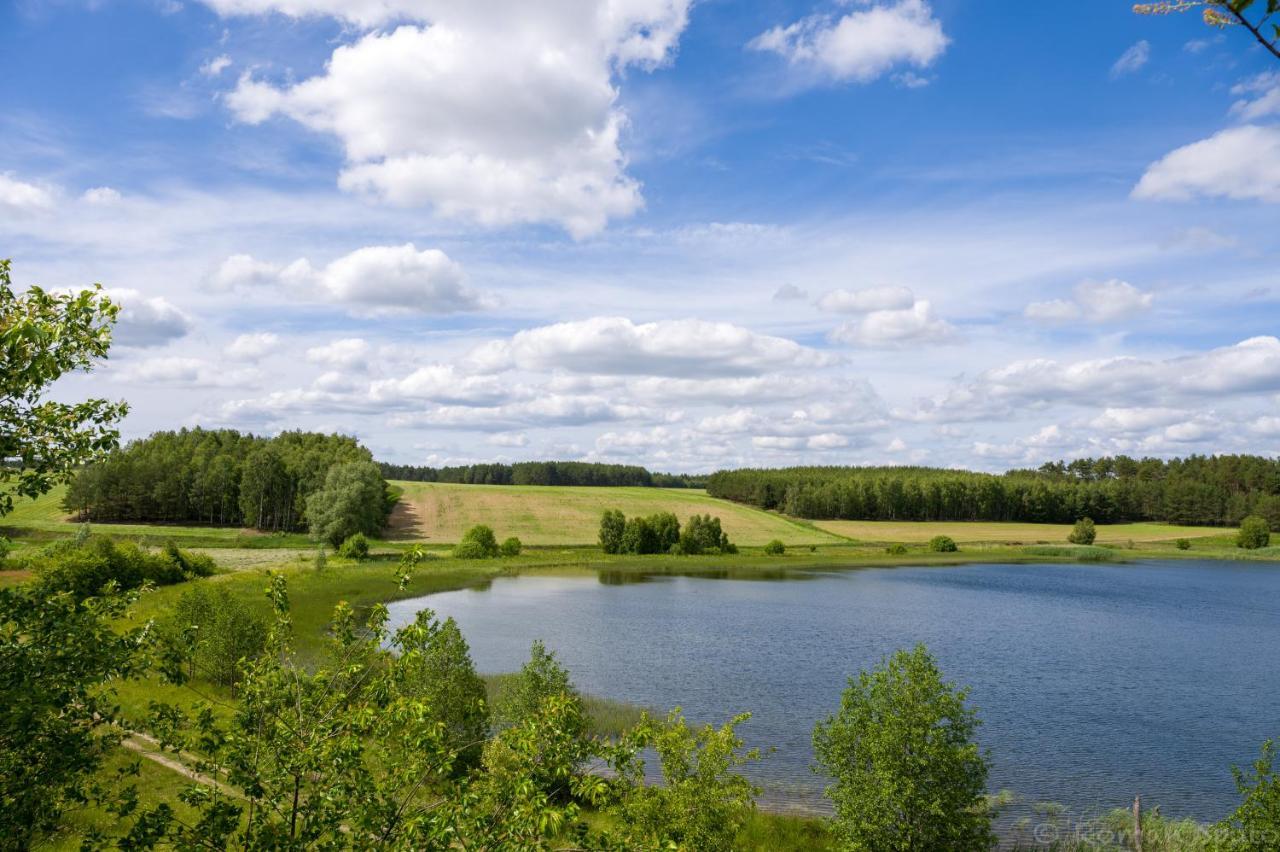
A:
{"points": [[551, 515], [1013, 533]]}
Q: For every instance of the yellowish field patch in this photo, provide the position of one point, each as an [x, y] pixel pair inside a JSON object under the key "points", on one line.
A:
{"points": [[918, 531], [549, 515]]}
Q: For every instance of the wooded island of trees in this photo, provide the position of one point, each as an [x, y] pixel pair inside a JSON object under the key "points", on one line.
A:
{"points": [[1210, 490], [224, 477]]}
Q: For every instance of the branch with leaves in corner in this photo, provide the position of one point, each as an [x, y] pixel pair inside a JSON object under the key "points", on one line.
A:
{"points": [[44, 336], [1254, 16]]}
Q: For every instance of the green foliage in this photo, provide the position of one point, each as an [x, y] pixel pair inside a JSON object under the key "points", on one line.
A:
{"points": [[1215, 490], [702, 802], [354, 547], [612, 524], [898, 549], [702, 534], [639, 537], [479, 542], [202, 476], [215, 634], [85, 569], [1183, 544], [321, 560], [435, 665], [59, 658], [942, 544], [540, 678], [44, 336], [1255, 825], [353, 500], [906, 773], [1083, 532], [775, 548], [1254, 532], [510, 547]]}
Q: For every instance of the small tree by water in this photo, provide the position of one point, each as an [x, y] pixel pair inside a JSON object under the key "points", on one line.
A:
{"points": [[1083, 532], [1254, 532], [906, 773]]}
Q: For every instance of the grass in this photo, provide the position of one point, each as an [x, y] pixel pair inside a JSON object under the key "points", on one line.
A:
{"points": [[973, 532], [567, 515]]}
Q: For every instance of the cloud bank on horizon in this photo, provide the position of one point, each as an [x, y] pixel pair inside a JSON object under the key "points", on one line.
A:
{"points": [[661, 232]]}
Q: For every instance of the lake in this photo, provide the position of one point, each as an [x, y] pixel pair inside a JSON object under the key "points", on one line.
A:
{"points": [[1094, 682]]}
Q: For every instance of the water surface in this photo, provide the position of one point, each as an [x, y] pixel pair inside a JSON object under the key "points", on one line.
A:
{"points": [[1094, 682]]}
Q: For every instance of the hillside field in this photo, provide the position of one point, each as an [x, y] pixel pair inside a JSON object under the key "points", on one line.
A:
{"points": [[439, 513], [1009, 533], [551, 515]]}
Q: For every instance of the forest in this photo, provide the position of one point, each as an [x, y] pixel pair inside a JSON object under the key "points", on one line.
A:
{"points": [[215, 477], [1208, 490], [544, 473]]}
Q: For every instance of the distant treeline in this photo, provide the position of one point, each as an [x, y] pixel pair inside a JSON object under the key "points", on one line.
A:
{"points": [[544, 473], [1212, 490], [201, 476]]}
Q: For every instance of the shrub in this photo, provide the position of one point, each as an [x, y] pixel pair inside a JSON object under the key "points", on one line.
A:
{"points": [[479, 542], [666, 530], [942, 544], [907, 774], [354, 547], [322, 558], [703, 535], [1183, 544], [1083, 532], [775, 548], [1254, 532], [1258, 817], [639, 537], [510, 547], [612, 525], [896, 549], [437, 669], [84, 569], [217, 634]]}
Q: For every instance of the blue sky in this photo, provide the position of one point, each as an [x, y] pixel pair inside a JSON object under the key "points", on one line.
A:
{"points": [[687, 235]]}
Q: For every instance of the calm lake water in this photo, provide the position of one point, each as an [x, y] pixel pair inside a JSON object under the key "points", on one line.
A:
{"points": [[1093, 682]]}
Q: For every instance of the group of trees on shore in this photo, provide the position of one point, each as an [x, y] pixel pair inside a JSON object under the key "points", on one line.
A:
{"points": [[290, 482], [1209, 490], [661, 533], [543, 473]]}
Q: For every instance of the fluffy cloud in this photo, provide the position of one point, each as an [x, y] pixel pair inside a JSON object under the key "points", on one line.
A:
{"points": [[892, 328], [1132, 59], [1241, 163], [861, 45], [253, 347], [503, 112], [445, 384], [350, 353], [103, 196], [1094, 301], [375, 280], [867, 300], [1249, 367], [147, 320], [1259, 97], [216, 66], [183, 372], [22, 197], [617, 346]]}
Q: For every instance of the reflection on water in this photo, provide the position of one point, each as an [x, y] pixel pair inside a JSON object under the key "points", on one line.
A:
{"points": [[1094, 682]]}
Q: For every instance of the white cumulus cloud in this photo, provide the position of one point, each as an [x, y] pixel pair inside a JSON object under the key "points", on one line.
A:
{"points": [[22, 197], [503, 112], [897, 327], [1094, 301], [861, 45], [1241, 163]]}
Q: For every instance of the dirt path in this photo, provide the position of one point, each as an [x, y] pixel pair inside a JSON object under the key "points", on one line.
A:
{"points": [[148, 747]]}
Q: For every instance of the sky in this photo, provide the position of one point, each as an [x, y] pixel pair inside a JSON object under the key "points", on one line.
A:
{"points": [[687, 234]]}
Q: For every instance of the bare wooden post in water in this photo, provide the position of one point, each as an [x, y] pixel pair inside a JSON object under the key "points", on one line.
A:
{"points": [[1137, 823]]}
